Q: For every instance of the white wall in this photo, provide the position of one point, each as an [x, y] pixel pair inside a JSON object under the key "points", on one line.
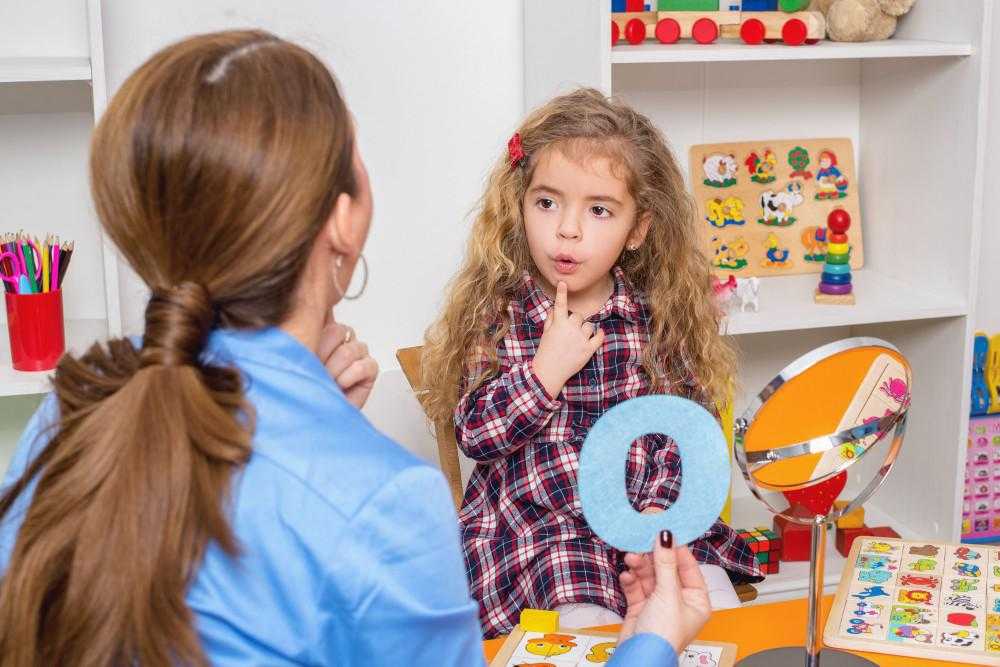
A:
{"points": [[988, 302], [436, 88]]}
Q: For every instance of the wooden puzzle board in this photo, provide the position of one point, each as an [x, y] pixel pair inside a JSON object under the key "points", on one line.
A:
{"points": [[759, 215], [919, 599], [539, 649]]}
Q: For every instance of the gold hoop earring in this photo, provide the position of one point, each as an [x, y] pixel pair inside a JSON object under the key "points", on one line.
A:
{"points": [[364, 278]]}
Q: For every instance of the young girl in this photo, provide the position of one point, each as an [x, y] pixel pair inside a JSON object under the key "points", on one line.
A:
{"points": [[582, 287]]}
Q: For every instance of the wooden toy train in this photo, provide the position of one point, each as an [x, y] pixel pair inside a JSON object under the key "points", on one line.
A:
{"points": [[704, 21]]}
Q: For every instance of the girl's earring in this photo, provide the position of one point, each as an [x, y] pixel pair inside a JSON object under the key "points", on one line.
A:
{"points": [[364, 278]]}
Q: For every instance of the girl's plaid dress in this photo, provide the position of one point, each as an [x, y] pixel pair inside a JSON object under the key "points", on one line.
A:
{"points": [[525, 539]]}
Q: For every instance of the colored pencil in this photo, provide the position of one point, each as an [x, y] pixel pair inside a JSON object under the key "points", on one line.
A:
{"points": [[29, 265], [9, 269], [20, 255], [67, 254], [55, 266], [45, 266]]}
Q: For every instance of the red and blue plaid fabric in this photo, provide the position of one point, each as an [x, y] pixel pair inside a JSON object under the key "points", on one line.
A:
{"points": [[525, 539]]}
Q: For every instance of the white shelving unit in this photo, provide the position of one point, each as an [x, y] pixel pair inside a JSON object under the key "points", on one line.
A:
{"points": [[787, 304], [915, 108], [30, 70], [51, 91], [727, 51]]}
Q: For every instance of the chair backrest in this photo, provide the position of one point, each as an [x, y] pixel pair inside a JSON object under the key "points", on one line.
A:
{"points": [[410, 360]]}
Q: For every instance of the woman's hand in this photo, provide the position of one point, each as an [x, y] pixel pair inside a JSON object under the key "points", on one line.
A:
{"points": [[666, 595], [566, 346], [348, 362]]}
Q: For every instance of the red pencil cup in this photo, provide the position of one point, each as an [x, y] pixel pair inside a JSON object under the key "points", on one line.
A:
{"points": [[35, 326]]}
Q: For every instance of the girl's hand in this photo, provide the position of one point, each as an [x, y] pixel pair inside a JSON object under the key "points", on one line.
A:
{"points": [[671, 600], [348, 362], [567, 345]]}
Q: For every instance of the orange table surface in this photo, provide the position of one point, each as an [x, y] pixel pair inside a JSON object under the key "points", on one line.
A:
{"points": [[765, 626]]}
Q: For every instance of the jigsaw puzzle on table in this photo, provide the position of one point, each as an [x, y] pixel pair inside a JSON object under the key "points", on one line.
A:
{"points": [[763, 205], [565, 648], [919, 599]]}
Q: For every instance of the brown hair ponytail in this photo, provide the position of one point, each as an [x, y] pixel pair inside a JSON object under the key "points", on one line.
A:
{"points": [[213, 171]]}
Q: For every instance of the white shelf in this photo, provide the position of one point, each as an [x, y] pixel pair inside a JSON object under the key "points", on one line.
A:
{"points": [[786, 304], [17, 70], [733, 51], [80, 334], [792, 580]]}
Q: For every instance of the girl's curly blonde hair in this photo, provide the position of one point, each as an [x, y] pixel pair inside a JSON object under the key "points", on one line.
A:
{"points": [[685, 354]]}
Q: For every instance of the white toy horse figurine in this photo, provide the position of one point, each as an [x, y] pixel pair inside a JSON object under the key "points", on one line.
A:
{"points": [[747, 290]]}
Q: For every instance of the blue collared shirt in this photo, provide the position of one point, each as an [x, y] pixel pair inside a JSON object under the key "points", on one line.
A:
{"points": [[350, 551]]}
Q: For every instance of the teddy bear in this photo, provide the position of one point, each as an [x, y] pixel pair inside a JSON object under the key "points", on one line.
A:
{"points": [[861, 20]]}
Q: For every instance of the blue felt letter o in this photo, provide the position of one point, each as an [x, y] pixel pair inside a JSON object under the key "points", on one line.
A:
{"points": [[704, 461]]}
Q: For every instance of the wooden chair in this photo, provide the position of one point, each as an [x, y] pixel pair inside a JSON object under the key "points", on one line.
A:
{"points": [[409, 360]]}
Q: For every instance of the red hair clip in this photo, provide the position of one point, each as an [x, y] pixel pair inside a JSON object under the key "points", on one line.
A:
{"points": [[515, 152]]}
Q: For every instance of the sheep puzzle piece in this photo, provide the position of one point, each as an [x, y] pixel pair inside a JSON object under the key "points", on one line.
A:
{"points": [[704, 457], [763, 205]]}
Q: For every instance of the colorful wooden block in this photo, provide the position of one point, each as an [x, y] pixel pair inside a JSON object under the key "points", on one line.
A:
{"points": [[796, 539], [855, 519], [760, 5], [884, 531], [769, 562], [761, 539], [688, 5], [539, 620], [766, 546], [846, 537]]}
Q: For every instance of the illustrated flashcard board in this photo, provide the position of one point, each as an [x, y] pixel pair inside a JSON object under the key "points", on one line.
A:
{"points": [[981, 504], [763, 205], [578, 648], [919, 599]]}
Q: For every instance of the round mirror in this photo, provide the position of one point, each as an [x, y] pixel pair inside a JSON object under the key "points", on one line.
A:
{"points": [[823, 414], [835, 412]]}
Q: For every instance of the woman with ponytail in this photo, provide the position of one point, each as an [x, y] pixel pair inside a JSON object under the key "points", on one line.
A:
{"points": [[210, 493]]}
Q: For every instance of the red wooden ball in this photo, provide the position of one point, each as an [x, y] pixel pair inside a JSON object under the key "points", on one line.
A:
{"points": [[837, 238], [839, 221], [615, 33]]}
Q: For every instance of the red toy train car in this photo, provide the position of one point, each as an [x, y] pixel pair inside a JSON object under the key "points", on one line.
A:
{"points": [[705, 27]]}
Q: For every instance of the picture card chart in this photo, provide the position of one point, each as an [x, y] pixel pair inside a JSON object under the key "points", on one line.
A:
{"points": [[763, 205], [981, 501], [919, 599], [575, 648]]}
